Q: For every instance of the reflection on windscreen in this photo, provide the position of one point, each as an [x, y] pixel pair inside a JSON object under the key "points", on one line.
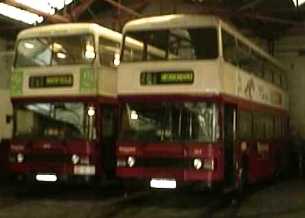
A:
{"points": [[46, 51], [192, 121], [57, 120], [171, 44]]}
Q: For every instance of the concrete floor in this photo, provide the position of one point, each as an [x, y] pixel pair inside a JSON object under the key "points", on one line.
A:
{"points": [[281, 200]]}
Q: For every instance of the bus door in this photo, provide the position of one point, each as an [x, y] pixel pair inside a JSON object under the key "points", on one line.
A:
{"points": [[108, 131], [229, 140]]}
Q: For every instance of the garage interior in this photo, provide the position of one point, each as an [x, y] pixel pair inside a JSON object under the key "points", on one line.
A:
{"points": [[277, 26]]}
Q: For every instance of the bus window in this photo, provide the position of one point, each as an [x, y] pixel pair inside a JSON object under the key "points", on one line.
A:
{"points": [[172, 44], [133, 50], [277, 78], [245, 125], [258, 126], [229, 48], [205, 42], [59, 50], [283, 80], [277, 127], [268, 72], [33, 52], [246, 59], [269, 125], [195, 121], [109, 52]]}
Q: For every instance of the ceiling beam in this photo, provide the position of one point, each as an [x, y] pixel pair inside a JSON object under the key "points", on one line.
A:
{"points": [[249, 14], [78, 10], [124, 8], [250, 5]]}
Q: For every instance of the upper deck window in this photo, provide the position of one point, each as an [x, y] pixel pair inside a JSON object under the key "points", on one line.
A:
{"points": [[171, 44], [109, 52], [61, 50]]}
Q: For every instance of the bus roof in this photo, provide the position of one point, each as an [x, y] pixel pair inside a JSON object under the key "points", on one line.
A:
{"points": [[69, 29], [188, 20], [175, 20]]}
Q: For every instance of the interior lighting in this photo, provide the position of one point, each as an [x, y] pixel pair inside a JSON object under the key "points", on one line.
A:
{"points": [[28, 45], [56, 47], [116, 60], [134, 115], [46, 6], [38, 5], [19, 14], [61, 55], [298, 2], [89, 53]]}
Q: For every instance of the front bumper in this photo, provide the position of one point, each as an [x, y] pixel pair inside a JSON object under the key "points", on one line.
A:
{"points": [[52, 173]]}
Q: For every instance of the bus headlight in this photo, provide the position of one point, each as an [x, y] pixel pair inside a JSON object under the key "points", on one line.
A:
{"points": [[75, 159], [20, 158], [131, 161], [197, 163]]}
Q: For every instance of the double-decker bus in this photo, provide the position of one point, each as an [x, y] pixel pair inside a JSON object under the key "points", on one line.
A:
{"points": [[64, 90], [208, 108]]}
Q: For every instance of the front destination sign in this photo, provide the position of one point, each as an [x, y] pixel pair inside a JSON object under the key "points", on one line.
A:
{"points": [[52, 81], [166, 78]]}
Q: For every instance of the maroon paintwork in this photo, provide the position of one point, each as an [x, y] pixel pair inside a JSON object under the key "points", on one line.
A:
{"points": [[63, 148], [203, 151], [52, 148], [261, 164]]}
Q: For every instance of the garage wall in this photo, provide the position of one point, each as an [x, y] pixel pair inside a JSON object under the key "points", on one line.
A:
{"points": [[290, 51], [6, 60]]}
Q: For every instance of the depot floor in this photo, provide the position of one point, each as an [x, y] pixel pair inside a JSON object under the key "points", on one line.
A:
{"points": [[282, 199]]}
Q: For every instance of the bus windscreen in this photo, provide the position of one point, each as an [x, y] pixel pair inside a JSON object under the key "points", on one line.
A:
{"points": [[55, 50], [166, 122]]}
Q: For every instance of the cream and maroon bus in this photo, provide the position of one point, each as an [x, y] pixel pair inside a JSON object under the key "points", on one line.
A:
{"points": [[64, 94], [209, 107]]}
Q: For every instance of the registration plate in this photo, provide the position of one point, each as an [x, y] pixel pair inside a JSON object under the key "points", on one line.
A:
{"points": [[163, 183], [84, 170], [46, 177]]}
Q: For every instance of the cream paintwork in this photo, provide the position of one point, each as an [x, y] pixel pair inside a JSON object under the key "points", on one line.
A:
{"points": [[106, 82], [210, 77], [69, 29], [106, 77], [206, 78], [235, 83], [192, 21], [176, 21], [44, 71]]}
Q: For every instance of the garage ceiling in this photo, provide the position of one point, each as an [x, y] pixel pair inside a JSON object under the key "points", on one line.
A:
{"points": [[269, 19]]}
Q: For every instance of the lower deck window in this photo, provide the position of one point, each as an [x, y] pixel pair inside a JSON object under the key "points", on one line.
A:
{"points": [[186, 121]]}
